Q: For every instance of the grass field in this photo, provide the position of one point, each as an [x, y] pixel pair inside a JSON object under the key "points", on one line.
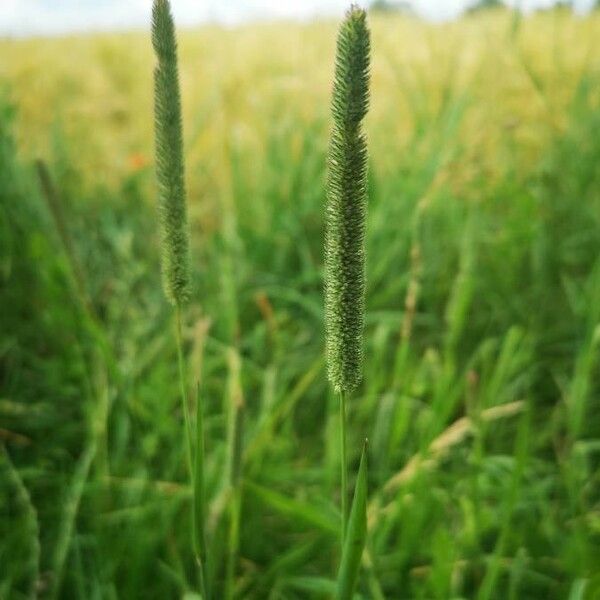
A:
{"points": [[481, 395]]}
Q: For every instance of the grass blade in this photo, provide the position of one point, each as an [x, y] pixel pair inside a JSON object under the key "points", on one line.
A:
{"points": [[356, 534], [295, 510]]}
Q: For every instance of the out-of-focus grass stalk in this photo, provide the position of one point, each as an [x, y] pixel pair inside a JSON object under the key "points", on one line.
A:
{"points": [[31, 530], [175, 240], [76, 273], [199, 494], [56, 210], [346, 220], [234, 467], [229, 257]]}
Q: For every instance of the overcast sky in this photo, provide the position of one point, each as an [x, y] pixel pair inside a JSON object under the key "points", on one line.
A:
{"points": [[25, 17]]}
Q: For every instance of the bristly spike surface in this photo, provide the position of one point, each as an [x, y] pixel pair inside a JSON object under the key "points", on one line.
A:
{"points": [[347, 205], [169, 158]]}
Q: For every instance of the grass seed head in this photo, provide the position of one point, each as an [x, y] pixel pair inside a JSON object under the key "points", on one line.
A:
{"points": [[169, 158], [347, 205]]}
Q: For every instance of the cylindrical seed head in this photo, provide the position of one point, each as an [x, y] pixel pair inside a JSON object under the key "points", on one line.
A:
{"points": [[347, 206], [169, 158]]}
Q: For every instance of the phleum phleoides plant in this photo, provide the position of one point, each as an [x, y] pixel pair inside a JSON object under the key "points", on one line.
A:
{"points": [[175, 243], [345, 258]]}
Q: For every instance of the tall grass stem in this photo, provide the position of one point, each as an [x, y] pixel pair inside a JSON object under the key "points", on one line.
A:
{"points": [[234, 467], [183, 389], [195, 461], [343, 466], [345, 222], [199, 513]]}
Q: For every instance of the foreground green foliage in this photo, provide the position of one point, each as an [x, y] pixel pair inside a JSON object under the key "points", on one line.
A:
{"points": [[481, 387], [356, 535]]}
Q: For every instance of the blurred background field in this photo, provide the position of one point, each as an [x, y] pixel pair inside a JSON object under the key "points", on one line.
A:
{"points": [[481, 396]]}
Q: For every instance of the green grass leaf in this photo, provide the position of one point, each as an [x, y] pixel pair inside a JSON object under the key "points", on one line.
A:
{"points": [[293, 509], [356, 534]]}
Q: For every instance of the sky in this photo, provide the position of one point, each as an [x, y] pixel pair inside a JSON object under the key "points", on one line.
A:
{"points": [[49, 17]]}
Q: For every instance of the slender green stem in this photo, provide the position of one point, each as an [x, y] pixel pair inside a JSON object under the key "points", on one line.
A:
{"points": [[344, 466], [234, 468], [234, 534], [195, 463], [183, 389], [199, 500], [202, 578]]}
